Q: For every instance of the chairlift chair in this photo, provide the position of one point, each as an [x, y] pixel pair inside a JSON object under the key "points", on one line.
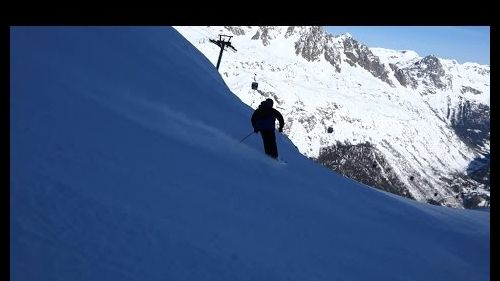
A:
{"points": [[255, 85]]}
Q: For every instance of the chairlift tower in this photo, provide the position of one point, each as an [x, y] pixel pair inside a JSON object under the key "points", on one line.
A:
{"points": [[224, 40]]}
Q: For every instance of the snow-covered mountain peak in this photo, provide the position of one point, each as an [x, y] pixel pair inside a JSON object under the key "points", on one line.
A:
{"points": [[396, 57], [344, 36], [268, 34]]}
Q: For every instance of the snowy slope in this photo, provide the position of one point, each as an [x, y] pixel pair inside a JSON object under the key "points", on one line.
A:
{"points": [[125, 164], [320, 81]]}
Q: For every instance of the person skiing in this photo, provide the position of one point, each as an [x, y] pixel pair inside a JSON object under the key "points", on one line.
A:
{"points": [[264, 121]]}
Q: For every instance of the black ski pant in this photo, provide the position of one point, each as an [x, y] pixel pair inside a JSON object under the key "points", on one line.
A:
{"points": [[269, 140]]}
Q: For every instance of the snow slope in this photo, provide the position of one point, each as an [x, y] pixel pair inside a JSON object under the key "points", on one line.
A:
{"points": [[125, 164]]}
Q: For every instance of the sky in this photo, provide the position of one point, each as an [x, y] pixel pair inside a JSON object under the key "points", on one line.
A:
{"points": [[120, 172], [462, 43]]}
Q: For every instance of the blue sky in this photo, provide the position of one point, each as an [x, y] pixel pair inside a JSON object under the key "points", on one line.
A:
{"points": [[462, 43]]}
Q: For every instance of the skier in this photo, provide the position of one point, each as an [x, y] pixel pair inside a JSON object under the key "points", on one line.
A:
{"points": [[264, 121]]}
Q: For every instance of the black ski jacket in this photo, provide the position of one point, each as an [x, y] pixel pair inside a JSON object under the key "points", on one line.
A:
{"points": [[264, 118]]}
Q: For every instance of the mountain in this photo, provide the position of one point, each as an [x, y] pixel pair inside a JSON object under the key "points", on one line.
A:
{"points": [[126, 164], [417, 122]]}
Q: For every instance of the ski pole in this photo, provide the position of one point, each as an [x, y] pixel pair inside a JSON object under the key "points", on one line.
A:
{"points": [[246, 137]]}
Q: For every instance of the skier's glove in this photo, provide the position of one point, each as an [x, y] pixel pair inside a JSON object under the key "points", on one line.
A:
{"points": [[280, 130]]}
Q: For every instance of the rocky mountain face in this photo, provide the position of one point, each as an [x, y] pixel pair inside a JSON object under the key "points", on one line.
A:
{"points": [[364, 163], [430, 72], [471, 122], [414, 126]]}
